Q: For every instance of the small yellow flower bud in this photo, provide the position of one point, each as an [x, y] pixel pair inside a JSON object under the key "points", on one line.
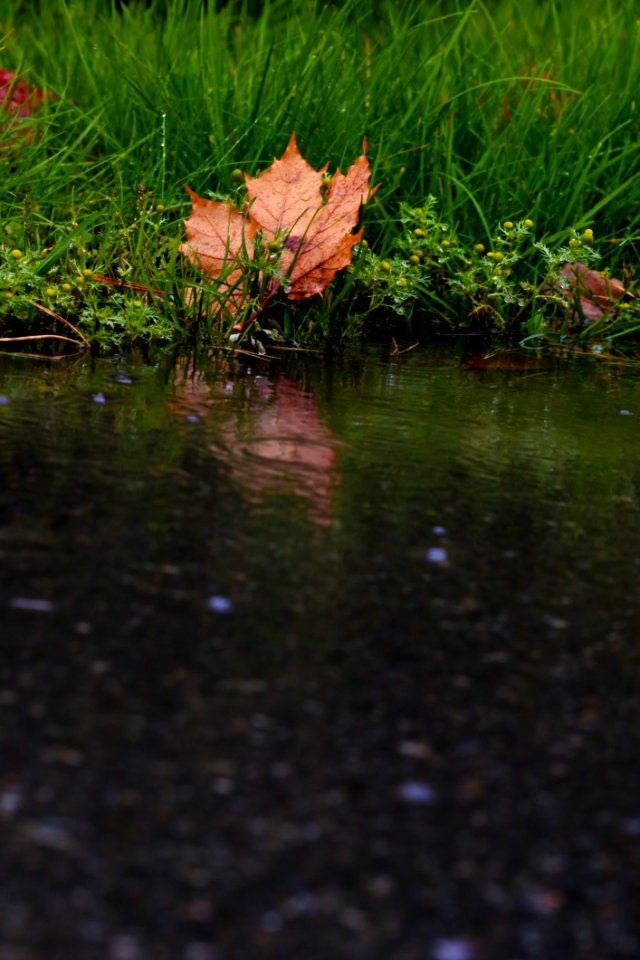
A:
{"points": [[8, 294], [528, 223], [66, 287], [446, 244], [498, 257], [237, 176], [160, 208], [418, 232], [385, 266], [414, 259], [87, 273], [508, 224], [479, 247], [587, 236], [573, 243], [490, 255], [16, 254], [403, 282], [137, 303], [50, 292]]}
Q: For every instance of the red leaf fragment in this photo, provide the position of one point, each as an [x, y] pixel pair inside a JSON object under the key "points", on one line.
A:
{"points": [[18, 97], [594, 291], [19, 100], [509, 360]]}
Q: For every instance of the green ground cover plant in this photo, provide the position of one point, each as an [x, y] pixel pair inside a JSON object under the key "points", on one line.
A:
{"points": [[504, 138]]}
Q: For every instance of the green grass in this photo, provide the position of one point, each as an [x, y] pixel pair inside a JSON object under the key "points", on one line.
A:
{"points": [[514, 110]]}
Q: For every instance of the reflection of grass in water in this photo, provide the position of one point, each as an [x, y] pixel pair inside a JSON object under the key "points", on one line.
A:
{"points": [[554, 442], [504, 113]]}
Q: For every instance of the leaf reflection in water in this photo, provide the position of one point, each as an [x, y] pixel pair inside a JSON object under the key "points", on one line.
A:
{"points": [[269, 434]]}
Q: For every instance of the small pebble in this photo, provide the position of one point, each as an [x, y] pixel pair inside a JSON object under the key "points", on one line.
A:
{"points": [[417, 749], [451, 949], [302, 903], [556, 623], [380, 886], [625, 413], [124, 947], [416, 792], [199, 951], [219, 604], [437, 555], [3, 400], [353, 919], [35, 604], [271, 922], [10, 802], [99, 398], [223, 786]]}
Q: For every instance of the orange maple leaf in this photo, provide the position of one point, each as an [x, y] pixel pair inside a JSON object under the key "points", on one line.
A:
{"points": [[289, 206]]}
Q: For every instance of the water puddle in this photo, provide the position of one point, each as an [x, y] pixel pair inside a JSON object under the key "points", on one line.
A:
{"points": [[319, 658]]}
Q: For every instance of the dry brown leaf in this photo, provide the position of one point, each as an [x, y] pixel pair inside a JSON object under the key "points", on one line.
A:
{"points": [[284, 198], [312, 257], [289, 205]]}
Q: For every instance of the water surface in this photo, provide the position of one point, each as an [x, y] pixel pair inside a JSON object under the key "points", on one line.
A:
{"points": [[319, 659]]}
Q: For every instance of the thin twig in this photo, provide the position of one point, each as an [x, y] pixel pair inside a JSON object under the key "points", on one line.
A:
{"points": [[56, 316], [260, 309], [101, 278], [39, 336], [396, 352], [38, 356], [250, 353], [278, 346]]}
